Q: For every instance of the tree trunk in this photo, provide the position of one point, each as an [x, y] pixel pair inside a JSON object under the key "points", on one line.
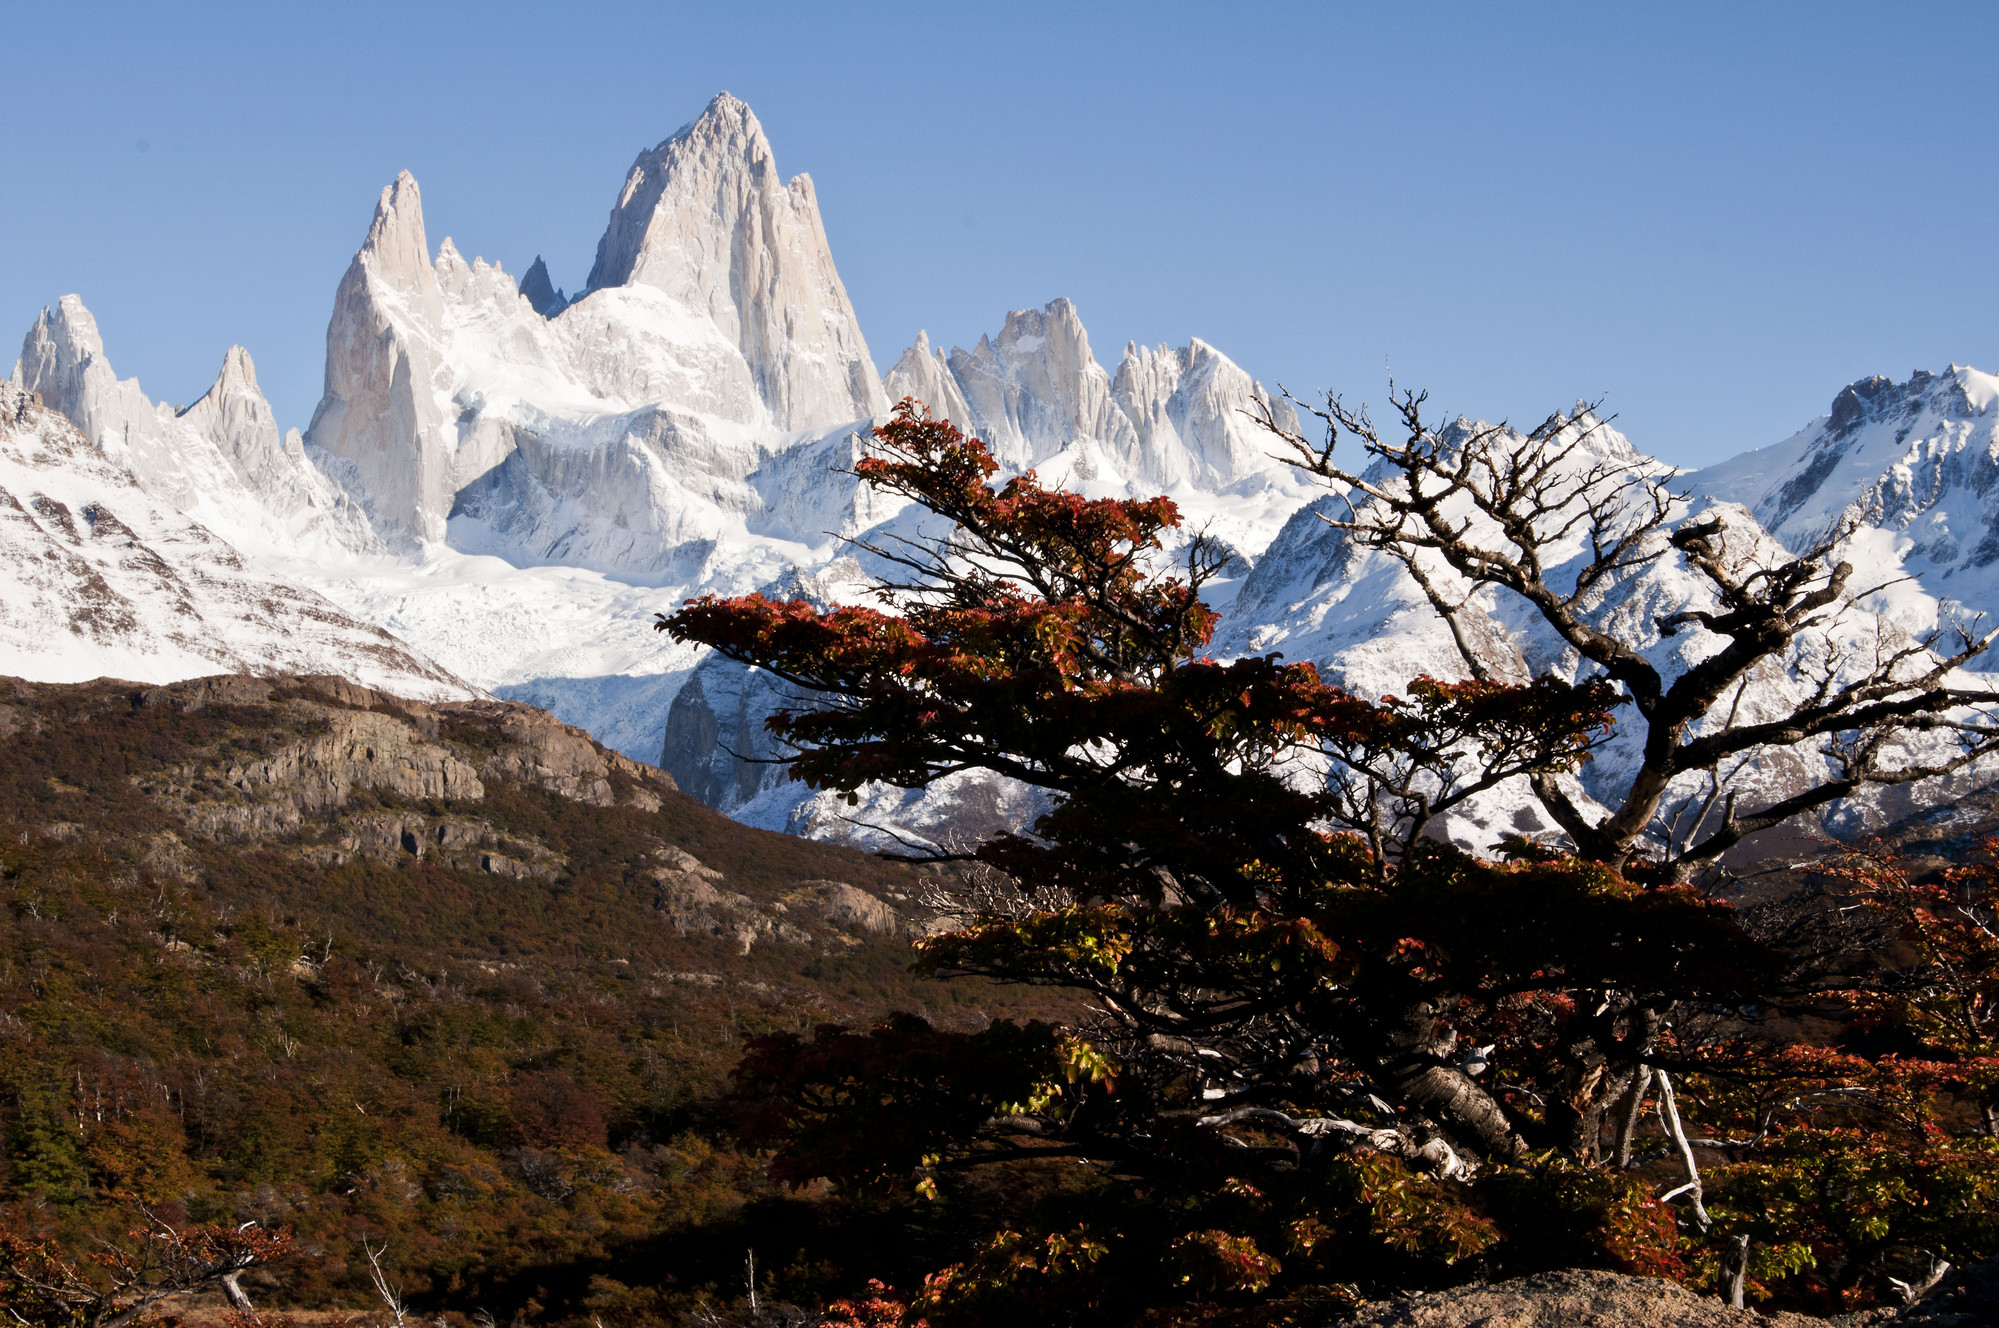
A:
{"points": [[1413, 1063], [1641, 1079], [1575, 1118], [1738, 1270], [237, 1299]]}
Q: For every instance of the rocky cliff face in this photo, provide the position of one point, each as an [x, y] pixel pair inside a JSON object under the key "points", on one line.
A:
{"points": [[380, 411], [547, 298], [323, 773], [924, 373], [331, 739], [706, 218], [1193, 404], [100, 577]]}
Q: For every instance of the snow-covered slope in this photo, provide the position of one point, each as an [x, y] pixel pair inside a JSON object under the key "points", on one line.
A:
{"points": [[98, 577], [1316, 594], [220, 461], [1914, 465]]}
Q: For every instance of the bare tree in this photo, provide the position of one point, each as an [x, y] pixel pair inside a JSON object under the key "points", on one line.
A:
{"points": [[1471, 506], [119, 1282], [391, 1295]]}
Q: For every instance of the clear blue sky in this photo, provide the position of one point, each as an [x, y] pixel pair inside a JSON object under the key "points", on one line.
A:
{"points": [[1717, 215]]}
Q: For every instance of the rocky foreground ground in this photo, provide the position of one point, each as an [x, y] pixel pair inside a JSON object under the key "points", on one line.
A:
{"points": [[1577, 1298]]}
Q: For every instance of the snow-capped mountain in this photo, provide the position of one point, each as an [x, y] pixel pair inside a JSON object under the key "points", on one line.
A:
{"points": [[220, 461], [556, 470], [515, 480], [101, 577], [626, 427], [1914, 465], [1318, 594]]}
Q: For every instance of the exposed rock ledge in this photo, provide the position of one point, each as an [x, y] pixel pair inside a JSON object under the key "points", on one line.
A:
{"points": [[325, 775]]}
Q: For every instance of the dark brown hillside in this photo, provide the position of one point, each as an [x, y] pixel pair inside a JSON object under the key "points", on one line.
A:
{"points": [[451, 977]]}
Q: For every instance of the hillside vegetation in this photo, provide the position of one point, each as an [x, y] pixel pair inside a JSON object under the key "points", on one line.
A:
{"points": [[451, 979]]}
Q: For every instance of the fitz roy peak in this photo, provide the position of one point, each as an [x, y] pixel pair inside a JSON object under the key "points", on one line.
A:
{"points": [[514, 481], [714, 323], [706, 218]]}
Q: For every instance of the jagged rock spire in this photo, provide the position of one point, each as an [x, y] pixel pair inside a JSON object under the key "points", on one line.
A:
{"points": [[539, 291], [378, 409], [1169, 416], [706, 218], [396, 245]]}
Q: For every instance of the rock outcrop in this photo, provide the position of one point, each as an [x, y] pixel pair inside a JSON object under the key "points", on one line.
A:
{"points": [[337, 738], [1191, 407], [318, 742], [924, 373]]}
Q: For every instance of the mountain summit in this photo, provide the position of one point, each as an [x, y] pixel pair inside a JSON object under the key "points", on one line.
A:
{"points": [[1913, 465], [706, 218]]}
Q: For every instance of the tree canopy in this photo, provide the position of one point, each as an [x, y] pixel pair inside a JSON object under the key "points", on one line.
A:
{"points": [[1330, 1051]]}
